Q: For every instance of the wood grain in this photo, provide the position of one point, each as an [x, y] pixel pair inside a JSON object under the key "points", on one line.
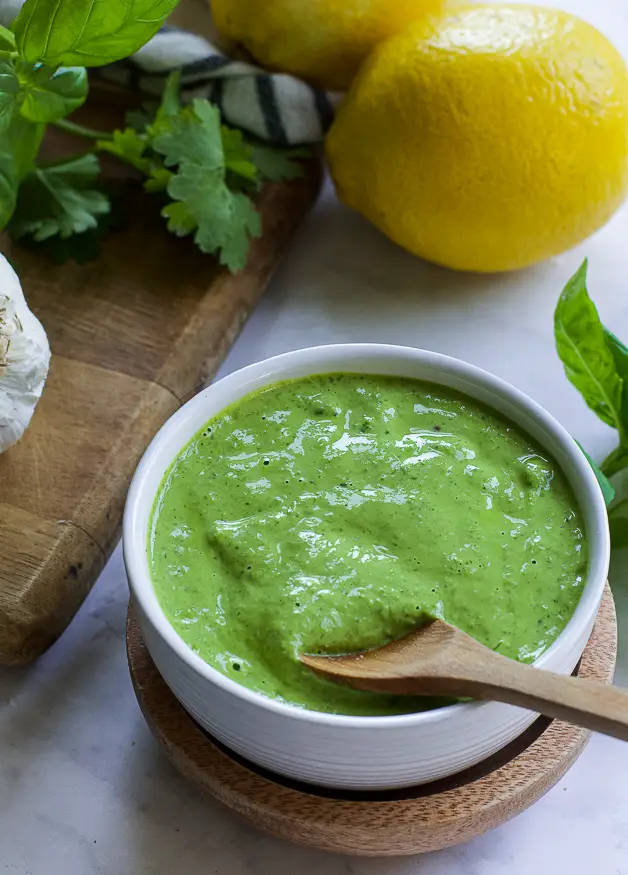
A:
{"points": [[412, 821], [133, 335]]}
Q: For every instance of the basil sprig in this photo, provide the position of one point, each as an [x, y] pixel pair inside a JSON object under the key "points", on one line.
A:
{"points": [[596, 362]]}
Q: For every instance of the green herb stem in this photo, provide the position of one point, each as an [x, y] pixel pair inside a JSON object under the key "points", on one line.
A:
{"points": [[615, 462], [81, 130], [621, 505]]}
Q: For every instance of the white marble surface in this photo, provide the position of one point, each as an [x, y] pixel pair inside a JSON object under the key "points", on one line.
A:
{"points": [[84, 789]]}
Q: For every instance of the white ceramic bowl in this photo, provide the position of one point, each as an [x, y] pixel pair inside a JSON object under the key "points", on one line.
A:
{"points": [[326, 749]]}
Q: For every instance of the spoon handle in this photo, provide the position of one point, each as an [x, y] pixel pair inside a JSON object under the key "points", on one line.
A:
{"points": [[594, 706], [440, 660]]}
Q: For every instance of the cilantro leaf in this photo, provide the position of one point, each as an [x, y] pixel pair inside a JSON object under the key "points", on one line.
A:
{"points": [[139, 119], [235, 241], [9, 87], [81, 248], [159, 179], [277, 164], [152, 112], [180, 220], [193, 136], [47, 94], [170, 103], [133, 144], [237, 154], [129, 146], [58, 200], [85, 32], [224, 220]]}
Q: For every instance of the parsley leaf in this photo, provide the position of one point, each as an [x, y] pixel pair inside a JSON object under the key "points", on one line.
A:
{"points": [[58, 200], [86, 32], [224, 220], [47, 94]]}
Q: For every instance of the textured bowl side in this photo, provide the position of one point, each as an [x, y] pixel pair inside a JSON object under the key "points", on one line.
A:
{"points": [[363, 758]]}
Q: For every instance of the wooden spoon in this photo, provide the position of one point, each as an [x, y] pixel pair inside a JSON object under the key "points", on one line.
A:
{"points": [[440, 660]]}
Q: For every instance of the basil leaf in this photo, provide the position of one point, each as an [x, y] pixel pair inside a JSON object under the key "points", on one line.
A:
{"points": [[7, 40], [9, 87], [615, 461], [619, 532], [620, 354], [582, 347], [8, 188], [608, 490], [48, 94], [618, 351], [87, 33], [618, 524], [24, 140], [20, 145]]}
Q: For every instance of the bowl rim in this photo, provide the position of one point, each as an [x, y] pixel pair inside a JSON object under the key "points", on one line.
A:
{"points": [[135, 531]]}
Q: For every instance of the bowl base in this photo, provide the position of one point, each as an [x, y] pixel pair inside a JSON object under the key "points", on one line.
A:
{"points": [[396, 822]]}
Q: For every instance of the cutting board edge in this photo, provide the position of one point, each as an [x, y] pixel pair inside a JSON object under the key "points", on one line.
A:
{"points": [[29, 625]]}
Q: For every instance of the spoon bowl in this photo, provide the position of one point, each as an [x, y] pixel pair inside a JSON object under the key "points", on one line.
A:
{"points": [[439, 660]]}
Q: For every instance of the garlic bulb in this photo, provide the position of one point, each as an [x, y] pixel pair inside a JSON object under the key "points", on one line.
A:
{"points": [[24, 359]]}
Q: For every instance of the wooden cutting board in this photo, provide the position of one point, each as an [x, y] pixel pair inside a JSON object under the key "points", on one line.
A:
{"points": [[133, 335]]}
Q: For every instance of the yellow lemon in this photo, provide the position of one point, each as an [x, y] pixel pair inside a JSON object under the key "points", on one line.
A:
{"points": [[323, 41], [489, 140]]}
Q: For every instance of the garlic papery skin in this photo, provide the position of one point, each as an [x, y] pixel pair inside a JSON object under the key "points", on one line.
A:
{"points": [[24, 359]]}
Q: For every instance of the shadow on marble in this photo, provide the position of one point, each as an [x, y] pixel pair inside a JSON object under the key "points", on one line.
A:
{"points": [[353, 258]]}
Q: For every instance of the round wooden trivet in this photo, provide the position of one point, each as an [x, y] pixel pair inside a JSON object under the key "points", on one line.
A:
{"points": [[411, 821]]}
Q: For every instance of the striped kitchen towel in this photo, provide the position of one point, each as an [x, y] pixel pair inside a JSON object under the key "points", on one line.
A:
{"points": [[277, 108]]}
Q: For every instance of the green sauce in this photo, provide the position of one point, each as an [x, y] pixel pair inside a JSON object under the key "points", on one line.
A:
{"points": [[330, 514]]}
